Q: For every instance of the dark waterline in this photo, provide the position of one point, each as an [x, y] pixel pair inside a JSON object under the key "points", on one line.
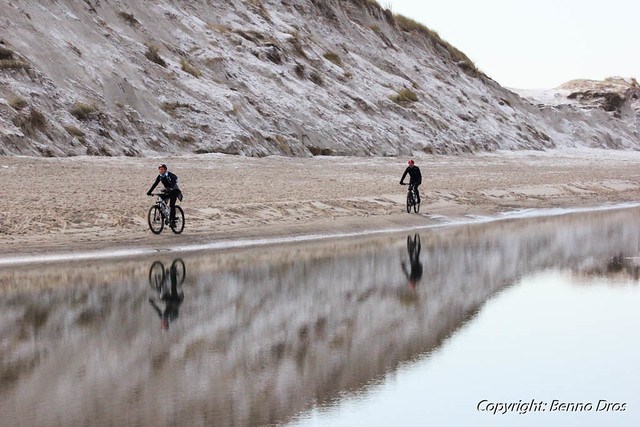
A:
{"points": [[260, 336]]}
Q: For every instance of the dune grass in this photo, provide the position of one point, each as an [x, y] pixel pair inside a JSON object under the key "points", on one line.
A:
{"points": [[406, 24], [152, 55], [82, 111], [404, 96], [333, 57], [17, 102], [188, 67]]}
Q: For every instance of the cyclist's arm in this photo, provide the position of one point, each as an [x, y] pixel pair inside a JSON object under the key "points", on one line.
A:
{"points": [[155, 184], [406, 171]]}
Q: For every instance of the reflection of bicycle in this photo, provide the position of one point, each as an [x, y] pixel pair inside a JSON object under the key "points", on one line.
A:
{"points": [[412, 199], [159, 216], [168, 291], [158, 274]]}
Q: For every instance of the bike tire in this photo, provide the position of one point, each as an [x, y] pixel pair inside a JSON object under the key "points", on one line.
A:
{"points": [[179, 223], [157, 276], [409, 201], [416, 207], [180, 270], [155, 219]]}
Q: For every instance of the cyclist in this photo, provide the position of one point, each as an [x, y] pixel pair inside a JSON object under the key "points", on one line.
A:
{"points": [[415, 177], [171, 190]]}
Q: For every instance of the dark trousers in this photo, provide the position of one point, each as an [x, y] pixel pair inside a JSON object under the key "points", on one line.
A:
{"points": [[171, 195], [415, 187]]}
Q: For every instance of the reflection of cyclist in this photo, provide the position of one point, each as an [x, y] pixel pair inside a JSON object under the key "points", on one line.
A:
{"points": [[415, 177], [171, 190], [171, 299], [413, 247]]}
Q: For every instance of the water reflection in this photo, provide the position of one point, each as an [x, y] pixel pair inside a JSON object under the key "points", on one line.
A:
{"points": [[550, 337], [166, 282], [263, 333], [414, 273], [620, 266]]}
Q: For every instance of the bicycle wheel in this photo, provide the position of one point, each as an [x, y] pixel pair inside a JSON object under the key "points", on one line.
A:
{"points": [[179, 223], [157, 276], [416, 206], [180, 270], [409, 201], [155, 219]]}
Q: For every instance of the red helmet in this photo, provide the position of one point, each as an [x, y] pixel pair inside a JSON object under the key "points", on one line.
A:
{"points": [[411, 162]]}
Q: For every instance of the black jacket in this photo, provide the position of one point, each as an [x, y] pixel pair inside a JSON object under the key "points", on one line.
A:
{"points": [[169, 180], [414, 174]]}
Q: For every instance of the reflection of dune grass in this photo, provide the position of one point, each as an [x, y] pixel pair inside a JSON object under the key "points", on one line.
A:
{"points": [[12, 372], [407, 297], [618, 268], [195, 348], [159, 360], [35, 317]]}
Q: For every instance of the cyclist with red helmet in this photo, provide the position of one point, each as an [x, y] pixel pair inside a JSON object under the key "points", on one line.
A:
{"points": [[415, 177]]}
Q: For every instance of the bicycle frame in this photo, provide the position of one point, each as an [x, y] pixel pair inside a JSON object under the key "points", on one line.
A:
{"points": [[164, 208]]}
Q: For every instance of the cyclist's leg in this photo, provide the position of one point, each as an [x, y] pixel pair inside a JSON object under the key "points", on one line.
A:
{"points": [[172, 205], [412, 188], [165, 198]]}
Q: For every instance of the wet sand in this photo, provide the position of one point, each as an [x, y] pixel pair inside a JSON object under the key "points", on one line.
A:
{"points": [[89, 203]]}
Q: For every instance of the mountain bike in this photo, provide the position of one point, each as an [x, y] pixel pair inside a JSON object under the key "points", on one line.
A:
{"points": [[159, 216], [412, 199]]}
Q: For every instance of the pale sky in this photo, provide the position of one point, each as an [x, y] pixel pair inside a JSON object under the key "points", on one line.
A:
{"points": [[531, 44]]}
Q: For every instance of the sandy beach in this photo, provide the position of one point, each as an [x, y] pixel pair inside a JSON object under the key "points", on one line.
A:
{"points": [[88, 203]]}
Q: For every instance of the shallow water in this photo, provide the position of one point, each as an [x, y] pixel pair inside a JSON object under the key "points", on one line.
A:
{"points": [[434, 328]]}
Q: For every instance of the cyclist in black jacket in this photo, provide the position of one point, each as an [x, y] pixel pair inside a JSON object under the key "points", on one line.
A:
{"points": [[415, 177], [171, 190]]}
